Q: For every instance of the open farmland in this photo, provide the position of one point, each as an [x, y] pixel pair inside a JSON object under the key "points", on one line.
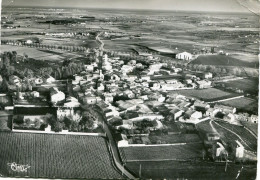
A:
{"points": [[176, 138], [210, 94], [222, 60], [190, 170], [247, 85], [251, 126], [161, 152], [40, 54], [56, 156], [243, 104]]}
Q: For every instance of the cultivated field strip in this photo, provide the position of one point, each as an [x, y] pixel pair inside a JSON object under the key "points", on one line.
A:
{"points": [[56, 156], [155, 153]]}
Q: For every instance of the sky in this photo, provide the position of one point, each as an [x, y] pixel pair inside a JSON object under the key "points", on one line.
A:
{"points": [[187, 5]]}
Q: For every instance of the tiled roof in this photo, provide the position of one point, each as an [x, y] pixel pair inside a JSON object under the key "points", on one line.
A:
{"points": [[56, 156]]}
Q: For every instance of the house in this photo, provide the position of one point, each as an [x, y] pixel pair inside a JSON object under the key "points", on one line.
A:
{"points": [[56, 95], [123, 142], [225, 109], [201, 106], [126, 69], [49, 79], [242, 116], [184, 56], [253, 119], [71, 102], [211, 112], [108, 97], [91, 99], [203, 84], [89, 68], [188, 81], [239, 150], [208, 75], [191, 114], [15, 80], [175, 113], [229, 118]]}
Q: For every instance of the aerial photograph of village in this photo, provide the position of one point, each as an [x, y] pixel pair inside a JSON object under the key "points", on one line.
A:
{"points": [[128, 89]]}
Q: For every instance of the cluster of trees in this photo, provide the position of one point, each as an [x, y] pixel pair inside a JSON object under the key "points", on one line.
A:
{"points": [[38, 44], [86, 124]]}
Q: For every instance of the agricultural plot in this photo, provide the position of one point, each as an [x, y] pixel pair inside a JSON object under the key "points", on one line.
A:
{"points": [[55, 156], [251, 126], [249, 141], [190, 170], [175, 138], [39, 54], [247, 85], [221, 60], [160, 153], [243, 104], [210, 94]]}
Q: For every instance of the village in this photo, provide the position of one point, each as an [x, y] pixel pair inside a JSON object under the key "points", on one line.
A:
{"points": [[139, 101], [122, 94]]}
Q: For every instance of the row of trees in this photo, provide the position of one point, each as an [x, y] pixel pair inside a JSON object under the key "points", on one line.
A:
{"points": [[46, 46]]}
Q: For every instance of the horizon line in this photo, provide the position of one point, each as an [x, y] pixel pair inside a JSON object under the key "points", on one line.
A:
{"points": [[103, 8]]}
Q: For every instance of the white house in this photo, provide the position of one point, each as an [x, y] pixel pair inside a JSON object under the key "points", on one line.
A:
{"points": [[239, 150], [208, 75], [56, 95], [253, 119], [50, 80], [184, 56]]}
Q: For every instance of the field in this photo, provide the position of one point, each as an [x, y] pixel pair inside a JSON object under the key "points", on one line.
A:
{"points": [[39, 54], [210, 94], [190, 170], [250, 142], [247, 85], [243, 104], [252, 126], [222, 60], [176, 138], [162, 30], [56, 156], [159, 153]]}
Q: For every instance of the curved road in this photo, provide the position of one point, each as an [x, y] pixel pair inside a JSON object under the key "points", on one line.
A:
{"points": [[113, 146]]}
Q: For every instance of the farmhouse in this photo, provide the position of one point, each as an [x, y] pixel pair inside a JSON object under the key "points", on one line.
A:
{"points": [[184, 56], [225, 109], [203, 84]]}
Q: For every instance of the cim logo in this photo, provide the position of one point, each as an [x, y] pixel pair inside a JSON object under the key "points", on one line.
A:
{"points": [[18, 167]]}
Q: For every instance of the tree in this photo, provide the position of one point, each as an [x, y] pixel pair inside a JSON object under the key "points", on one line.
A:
{"points": [[58, 126]]}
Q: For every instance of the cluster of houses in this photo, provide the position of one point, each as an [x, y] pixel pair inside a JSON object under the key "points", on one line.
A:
{"points": [[127, 99]]}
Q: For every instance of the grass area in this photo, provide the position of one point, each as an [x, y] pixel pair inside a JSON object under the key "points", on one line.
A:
{"points": [[175, 138], [222, 60], [210, 94], [190, 170], [252, 126], [247, 85], [56, 156], [205, 127], [151, 153], [40, 54], [243, 104]]}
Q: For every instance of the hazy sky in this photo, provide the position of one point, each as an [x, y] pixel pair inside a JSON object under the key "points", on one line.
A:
{"points": [[194, 5]]}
